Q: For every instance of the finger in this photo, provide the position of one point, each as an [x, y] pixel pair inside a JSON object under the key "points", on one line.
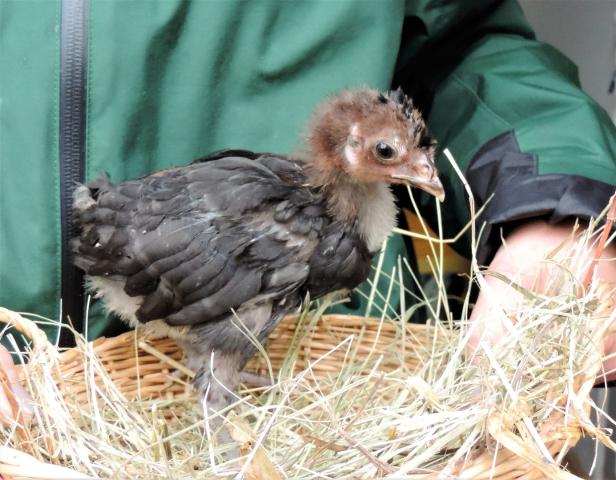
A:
{"points": [[14, 400], [26, 407], [6, 363], [6, 410]]}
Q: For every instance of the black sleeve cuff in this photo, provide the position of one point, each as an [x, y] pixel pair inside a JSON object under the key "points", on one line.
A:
{"points": [[520, 194]]}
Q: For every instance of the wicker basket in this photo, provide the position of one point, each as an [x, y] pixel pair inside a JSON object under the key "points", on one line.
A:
{"points": [[141, 367]]}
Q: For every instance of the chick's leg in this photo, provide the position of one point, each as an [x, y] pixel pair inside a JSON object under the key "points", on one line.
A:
{"points": [[217, 380], [217, 373], [218, 351]]}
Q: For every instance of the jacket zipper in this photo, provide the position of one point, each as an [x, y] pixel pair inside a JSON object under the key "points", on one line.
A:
{"points": [[73, 49]]}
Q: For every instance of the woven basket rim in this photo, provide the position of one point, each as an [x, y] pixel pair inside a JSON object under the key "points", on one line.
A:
{"points": [[508, 464]]}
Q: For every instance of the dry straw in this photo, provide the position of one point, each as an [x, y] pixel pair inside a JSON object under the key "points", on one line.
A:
{"points": [[351, 397]]}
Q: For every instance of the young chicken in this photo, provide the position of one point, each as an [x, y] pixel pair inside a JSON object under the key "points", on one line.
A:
{"points": [[243, 238]]}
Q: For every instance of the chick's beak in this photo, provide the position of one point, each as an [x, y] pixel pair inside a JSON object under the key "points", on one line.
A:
{"points": [[422, 174]]}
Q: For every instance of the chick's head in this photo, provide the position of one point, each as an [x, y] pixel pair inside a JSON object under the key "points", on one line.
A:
{"points": [[366, 137]]}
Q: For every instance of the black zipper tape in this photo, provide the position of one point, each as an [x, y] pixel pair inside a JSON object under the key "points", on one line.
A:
{"points": [[73, 68]]}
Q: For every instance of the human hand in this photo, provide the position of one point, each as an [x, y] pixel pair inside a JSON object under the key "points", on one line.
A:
{"points": [[15, 403], [521, 261]]}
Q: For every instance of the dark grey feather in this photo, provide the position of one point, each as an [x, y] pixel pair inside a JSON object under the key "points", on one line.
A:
{"points": [[197, 241]]}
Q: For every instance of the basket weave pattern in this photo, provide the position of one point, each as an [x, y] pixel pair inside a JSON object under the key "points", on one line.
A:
{"points": [[147, 368]]}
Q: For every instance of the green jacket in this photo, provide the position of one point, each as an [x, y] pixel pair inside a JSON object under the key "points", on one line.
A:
{"points": [[167, 82]]}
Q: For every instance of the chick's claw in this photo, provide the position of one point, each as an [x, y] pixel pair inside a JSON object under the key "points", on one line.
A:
{"points": [[254, 380]]}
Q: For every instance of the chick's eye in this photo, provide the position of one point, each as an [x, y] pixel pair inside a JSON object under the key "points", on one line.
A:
{"points": [[384, 151]]}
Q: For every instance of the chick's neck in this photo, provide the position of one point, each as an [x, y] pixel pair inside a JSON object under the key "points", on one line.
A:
{"points": [[368, 205]]}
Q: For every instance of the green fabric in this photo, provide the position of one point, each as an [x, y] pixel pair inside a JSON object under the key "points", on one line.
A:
{"points": [[171, 81], [177, 80], [498, 78], [29, 183], [538, 97]]}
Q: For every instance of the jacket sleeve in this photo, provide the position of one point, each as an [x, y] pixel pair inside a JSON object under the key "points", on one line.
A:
{"points": [[511, 111]]}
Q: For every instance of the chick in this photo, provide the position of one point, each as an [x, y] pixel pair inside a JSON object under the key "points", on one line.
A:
{"points": [[238, 239]]}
